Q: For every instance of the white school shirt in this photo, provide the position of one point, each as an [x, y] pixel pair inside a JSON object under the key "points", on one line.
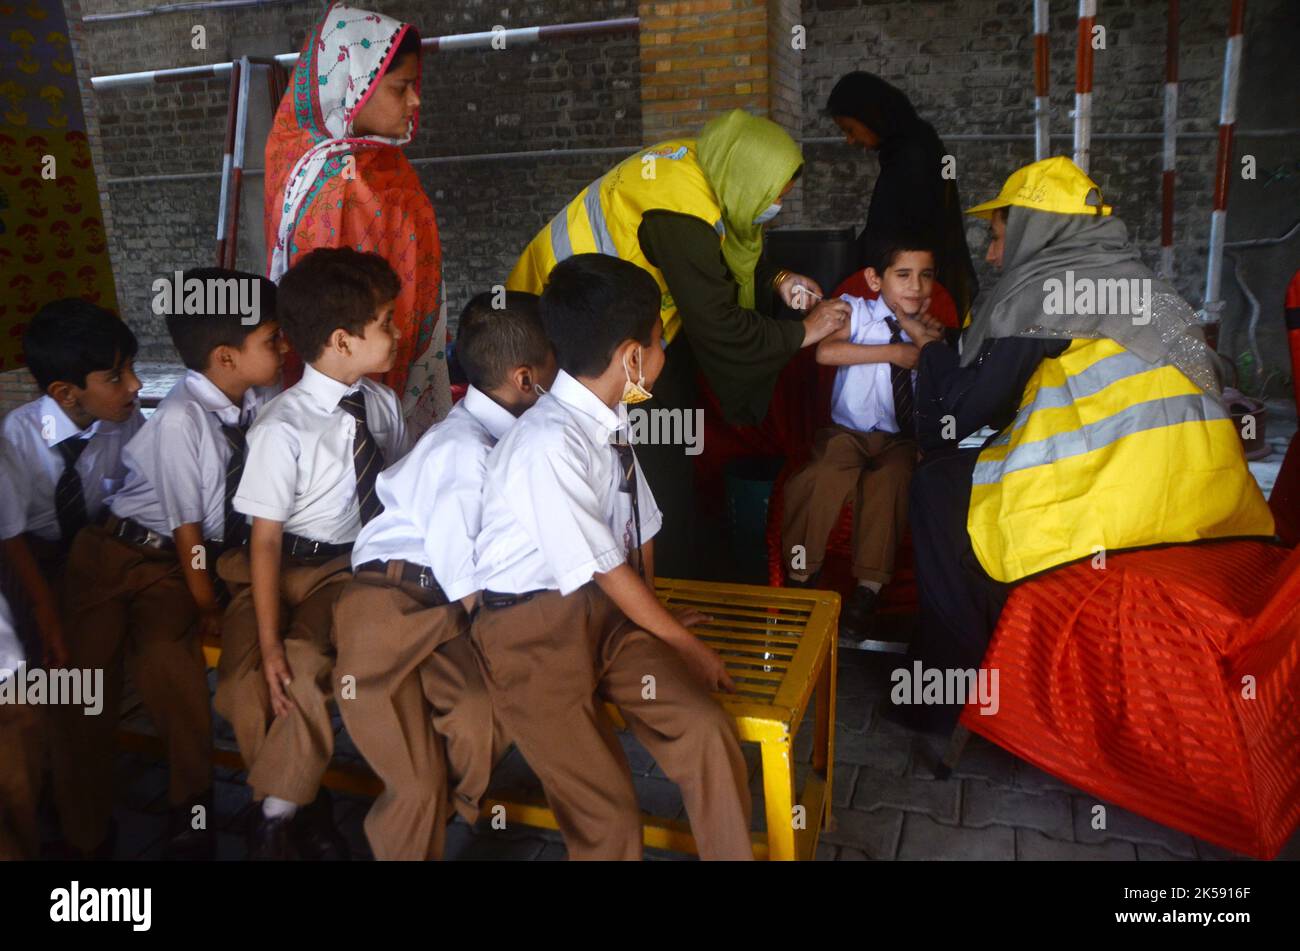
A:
{"points": [[176, 463], [863, 395], [433, 498], [34, 431], [11, 649], [13, 493], [298, 466], [553, 515]]}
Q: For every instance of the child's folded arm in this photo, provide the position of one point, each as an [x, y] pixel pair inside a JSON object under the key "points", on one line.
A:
{"points": [[841, 353]]}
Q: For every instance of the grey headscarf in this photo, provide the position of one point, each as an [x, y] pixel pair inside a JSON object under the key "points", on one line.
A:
{"points": [[1042, 246]]}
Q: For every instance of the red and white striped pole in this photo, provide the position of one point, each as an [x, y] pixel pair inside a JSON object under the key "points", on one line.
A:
{"points": [[1227, 122], [1042, 76], [1083, 85], [1171, 145]]}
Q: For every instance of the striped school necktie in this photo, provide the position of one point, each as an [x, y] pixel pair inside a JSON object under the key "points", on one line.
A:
{"points": [[234, 526], [69, 497], [627, 483], [367, 458], [901, 378]]}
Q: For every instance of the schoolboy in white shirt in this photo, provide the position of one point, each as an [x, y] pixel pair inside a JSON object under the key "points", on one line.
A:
{"points": [[140, 594], [868, 454], [564, 621], [418, 710], [62, 458], [313, 456]]}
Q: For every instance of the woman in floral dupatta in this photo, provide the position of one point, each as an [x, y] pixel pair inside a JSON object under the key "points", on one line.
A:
{"points": [[336, 176]]}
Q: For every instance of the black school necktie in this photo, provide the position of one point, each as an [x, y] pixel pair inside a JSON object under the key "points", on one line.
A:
{"points": [[234, 526], [627, 483], [69, 497], [901, 378], [367, 458]]}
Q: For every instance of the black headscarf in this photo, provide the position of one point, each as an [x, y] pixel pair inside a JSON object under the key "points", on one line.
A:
{"points": [[910, 196]]}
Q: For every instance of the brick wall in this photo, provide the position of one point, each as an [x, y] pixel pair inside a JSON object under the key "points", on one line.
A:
{"points": [[699, 58], [16, 388]]}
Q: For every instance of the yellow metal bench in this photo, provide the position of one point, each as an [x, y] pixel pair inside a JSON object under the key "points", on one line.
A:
{"points": [[779, 647]]}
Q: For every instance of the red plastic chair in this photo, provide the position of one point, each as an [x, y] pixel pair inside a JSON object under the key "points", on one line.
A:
{"points": [[899, 596], [1168, 683]]}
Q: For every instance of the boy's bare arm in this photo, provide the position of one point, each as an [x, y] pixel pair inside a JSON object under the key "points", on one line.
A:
{"points": [[46, 610], [636, 600], [264, 549], [837, 351], [188, 538]]}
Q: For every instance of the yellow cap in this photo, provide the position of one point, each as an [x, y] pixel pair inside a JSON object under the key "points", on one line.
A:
{"points": [[1055, 184]]}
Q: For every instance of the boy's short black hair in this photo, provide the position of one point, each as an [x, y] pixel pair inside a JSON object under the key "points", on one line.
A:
{"points": [[331, 289], [491, 341], [195, 336], [71, 338], [591, 304], [883, 250]]}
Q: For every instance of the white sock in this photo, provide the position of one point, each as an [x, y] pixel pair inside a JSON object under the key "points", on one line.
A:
{"points": [[274, 808], [873, 585]]}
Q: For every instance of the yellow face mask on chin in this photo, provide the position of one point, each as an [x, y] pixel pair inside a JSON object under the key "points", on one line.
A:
{"points": [[635, 392]]}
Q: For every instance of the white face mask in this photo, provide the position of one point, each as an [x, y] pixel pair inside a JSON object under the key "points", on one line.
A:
{"points": [[768, 213]]}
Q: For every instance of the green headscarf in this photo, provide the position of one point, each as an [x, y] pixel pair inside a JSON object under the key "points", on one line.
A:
{"points": [[748, 161]]}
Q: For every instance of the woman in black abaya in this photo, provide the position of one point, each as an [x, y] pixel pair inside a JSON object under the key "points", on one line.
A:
{"points": [[911, 195]]}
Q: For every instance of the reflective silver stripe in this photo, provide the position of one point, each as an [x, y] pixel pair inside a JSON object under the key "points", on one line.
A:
{"points": [[1097, 377], [561, 246], [596, 218], [1153, 414], [720, 228]]}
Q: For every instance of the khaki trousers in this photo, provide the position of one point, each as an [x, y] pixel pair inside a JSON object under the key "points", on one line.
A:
{"points": [[128, 610], [286, 755], [417, 709], [22, 732], [549, 662], [872, 470]]}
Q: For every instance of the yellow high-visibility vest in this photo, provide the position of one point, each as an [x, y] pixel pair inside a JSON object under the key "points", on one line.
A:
{"points": [[1109, 452], [606, 215]]}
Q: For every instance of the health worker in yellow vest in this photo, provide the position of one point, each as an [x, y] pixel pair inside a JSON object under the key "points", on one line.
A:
{"points": [[691, 212], [1111, 430]]}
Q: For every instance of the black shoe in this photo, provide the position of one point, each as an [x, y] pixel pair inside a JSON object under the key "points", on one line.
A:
{"points": [[272, 840], [186, 843], [858, 618], [318, 838]]}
